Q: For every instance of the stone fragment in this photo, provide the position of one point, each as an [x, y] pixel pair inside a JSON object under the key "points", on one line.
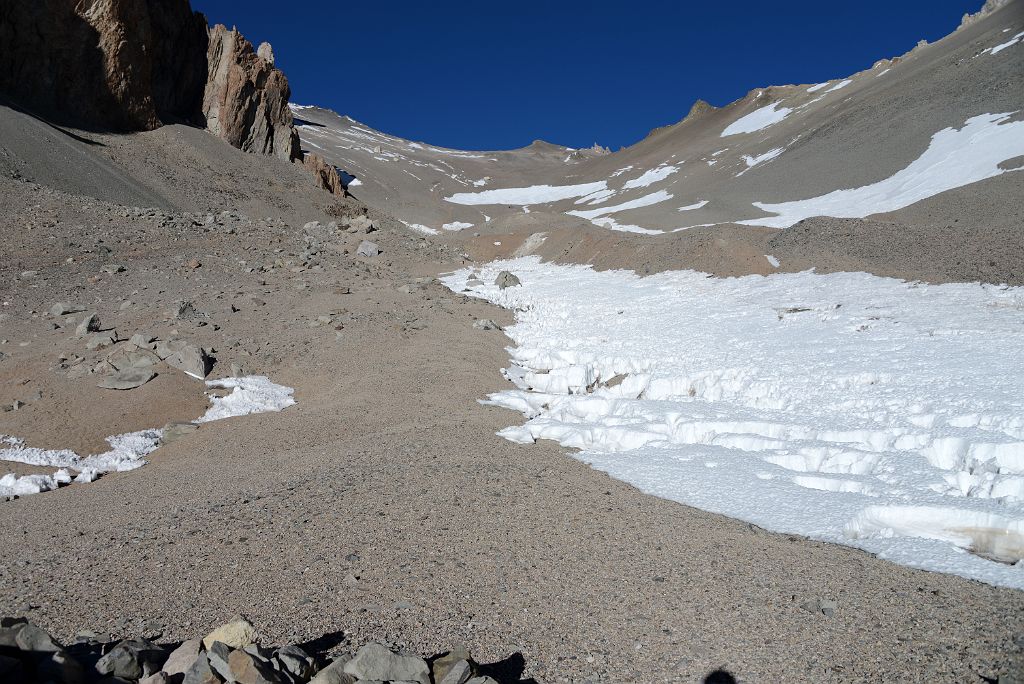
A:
{"points": [[334, 674], [482, 680], [459, 673], [374, 661], [101, 340], [131, 659], [172, 432], [30, 637], [188, 358], [91, 323], [218, 653], [63, 309], [486, 324], [443, 664], [201, 672], [238, 633], [183, 657], [156, 678], [506, 279], [127, 379], [141, 340], [296, 661], [112, 268], [246, 669], [361, 224], [368, 249]]}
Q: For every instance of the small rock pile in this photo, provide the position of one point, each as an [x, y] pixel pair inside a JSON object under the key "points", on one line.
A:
{"points": [[230, 654]]}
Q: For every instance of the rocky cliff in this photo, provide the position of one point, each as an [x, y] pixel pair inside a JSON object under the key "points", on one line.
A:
{"points": [[246, 97], [129, 65]]}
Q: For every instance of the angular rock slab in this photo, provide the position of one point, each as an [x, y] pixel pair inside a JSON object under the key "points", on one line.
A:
{"points": [[376, 662], [127, 379]]}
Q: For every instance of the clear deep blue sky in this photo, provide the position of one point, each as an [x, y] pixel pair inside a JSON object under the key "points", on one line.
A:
{"points": [[498, 75]]}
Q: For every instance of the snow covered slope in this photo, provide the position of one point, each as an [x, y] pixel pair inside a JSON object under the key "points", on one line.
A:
{"points": [[938, 118]]}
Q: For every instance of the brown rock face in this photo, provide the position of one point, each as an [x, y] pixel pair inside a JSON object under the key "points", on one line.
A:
{"points": [[326, 175], [246, 99], [111, 64]]}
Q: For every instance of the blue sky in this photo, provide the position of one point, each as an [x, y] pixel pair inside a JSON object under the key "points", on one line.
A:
{"points": [[496, 75]]}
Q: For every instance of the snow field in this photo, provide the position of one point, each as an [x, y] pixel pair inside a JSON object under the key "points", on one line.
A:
{"points": [[854, 409]]}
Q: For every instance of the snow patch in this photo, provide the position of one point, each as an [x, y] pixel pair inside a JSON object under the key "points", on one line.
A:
{"points": [[535, 194], [954, 158], [757, 120], [651, 176]]}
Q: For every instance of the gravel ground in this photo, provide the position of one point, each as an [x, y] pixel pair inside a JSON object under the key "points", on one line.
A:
{"points": [[383, 505]]}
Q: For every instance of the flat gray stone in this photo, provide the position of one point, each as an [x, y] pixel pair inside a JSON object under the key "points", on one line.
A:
{"points": [[101, 340], [374, 661], [201, 672], [459, 673], [132, 659], [127, 379]]}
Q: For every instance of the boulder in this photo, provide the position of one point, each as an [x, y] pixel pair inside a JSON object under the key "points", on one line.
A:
{"points": [[238, 633], [188, 358], [377, 662], [132, 659], [368, 249], [246, 98], [506, 279]]}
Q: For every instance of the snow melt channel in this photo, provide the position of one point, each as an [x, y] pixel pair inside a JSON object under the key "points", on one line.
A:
{"points": [[854, 409], [251, 394]]}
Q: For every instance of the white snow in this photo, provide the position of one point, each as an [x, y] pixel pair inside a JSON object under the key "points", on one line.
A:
{"points": [[757, 120], [420, 228], [650, 176], [535, 194], [850, 408], [695, 205], [645, 201], [611, 224], [883, 72], [954, 158], [457, 225], [772, 260], [839, 86], [817, 86], [995, 50], [596, 197], [251, 394], [761, 158]]}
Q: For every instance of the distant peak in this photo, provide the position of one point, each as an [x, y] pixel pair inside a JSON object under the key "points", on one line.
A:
{"points": [[699, 109]]}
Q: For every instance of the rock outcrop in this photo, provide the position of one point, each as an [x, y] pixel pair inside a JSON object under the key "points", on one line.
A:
{"points": [[246, 98], [113, 64], [325, 174]]}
